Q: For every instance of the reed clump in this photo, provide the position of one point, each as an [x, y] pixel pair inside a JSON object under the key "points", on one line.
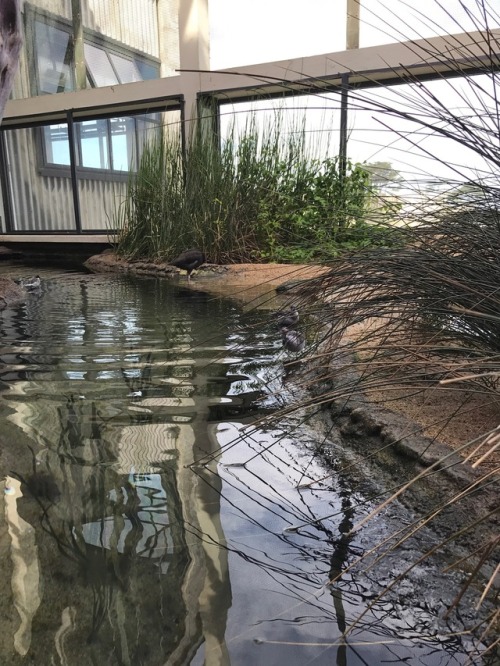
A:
{"points": [[422, 317], [262, 195]]}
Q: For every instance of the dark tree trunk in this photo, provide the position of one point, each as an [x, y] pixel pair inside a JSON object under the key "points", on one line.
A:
{"points": [[10, 46]]}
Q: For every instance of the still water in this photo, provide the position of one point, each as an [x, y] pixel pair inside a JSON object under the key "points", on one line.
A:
{"points": [[132, 533]]}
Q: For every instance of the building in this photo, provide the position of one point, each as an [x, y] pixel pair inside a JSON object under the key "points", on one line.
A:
{"points": [[96, 79]]}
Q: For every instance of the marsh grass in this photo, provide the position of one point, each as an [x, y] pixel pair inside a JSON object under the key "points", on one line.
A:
{"points": [[427, 314], [265, 193]]}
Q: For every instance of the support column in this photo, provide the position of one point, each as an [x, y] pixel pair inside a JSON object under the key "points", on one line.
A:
{"points": [[352, 26], [194, 50], [79, 55]]}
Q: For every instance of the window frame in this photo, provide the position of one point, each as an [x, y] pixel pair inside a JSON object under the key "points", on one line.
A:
{"points": [[33, 14], [108, 44], [46, 168]]}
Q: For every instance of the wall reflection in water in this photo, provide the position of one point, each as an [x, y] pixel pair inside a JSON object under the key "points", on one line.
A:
{"points": [[110, 387]]}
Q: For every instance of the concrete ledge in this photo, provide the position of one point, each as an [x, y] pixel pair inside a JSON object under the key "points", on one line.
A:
{"points": [[56, 238]]}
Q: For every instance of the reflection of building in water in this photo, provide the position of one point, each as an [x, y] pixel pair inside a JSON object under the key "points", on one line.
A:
{"points": [[22, 559], [129, 552]]}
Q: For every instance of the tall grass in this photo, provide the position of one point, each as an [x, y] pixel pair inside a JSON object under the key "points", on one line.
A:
{"points": [[144, 219], [259, 195], [427, 311]]}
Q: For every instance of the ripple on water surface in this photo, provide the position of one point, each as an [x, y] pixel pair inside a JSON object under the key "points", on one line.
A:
{"points": [[148, 520]]}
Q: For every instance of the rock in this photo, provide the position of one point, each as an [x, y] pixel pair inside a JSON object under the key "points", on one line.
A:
{"points": [[109, 262], [8, 253], [10, 293]]}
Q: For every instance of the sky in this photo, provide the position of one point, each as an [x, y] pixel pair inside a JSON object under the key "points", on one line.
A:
{"points": [[254, 31], [251, 31]]}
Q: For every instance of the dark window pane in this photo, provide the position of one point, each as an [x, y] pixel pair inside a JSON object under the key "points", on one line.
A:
{"points": [[94, 144], [54, 54], [99, 66], [126, 69]]}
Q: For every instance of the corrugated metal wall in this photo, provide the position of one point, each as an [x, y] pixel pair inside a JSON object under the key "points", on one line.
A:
{"points": [[98, 201], [39, 202], [149, 26], [2, 214], [128, 21], [45, 203], [132, 22]]}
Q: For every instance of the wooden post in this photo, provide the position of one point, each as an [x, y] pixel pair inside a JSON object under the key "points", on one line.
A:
{"points": [[79, 55], [10, 47]]}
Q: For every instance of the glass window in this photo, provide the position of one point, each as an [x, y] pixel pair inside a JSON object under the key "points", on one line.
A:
{"points": [[123, 144], [94, 144], [56, 144], [107, 63], [126, 69], [99, 66], [146, 70], [54, 57], [108, 145]]}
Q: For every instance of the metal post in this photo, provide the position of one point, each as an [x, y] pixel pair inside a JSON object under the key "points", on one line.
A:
{"points": [[78, 51], [74, 180], [344, 102], [5, 184]]}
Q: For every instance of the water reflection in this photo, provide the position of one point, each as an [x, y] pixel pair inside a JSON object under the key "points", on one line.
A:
{"points": [[124, 548], [112, 382]]}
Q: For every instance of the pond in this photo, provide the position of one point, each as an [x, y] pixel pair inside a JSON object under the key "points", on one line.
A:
{"points": [[146, 515]]}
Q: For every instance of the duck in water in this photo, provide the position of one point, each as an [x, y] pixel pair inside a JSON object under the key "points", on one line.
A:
{"points": [[292, 340], [288, 317], [30, 284]]}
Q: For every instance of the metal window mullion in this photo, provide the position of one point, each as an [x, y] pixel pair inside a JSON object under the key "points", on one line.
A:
{"points": [[136, 130], [6, 190], [74, 179], [110, 146], [112, 65]]}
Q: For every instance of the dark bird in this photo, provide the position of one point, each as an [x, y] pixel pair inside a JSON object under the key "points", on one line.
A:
{"points": [[288, 317], [189, 261], [292, 340]]}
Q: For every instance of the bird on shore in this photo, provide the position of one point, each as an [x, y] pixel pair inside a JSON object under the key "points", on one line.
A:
{"points": [[288, 317], [292, 340], [189, 261]]}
